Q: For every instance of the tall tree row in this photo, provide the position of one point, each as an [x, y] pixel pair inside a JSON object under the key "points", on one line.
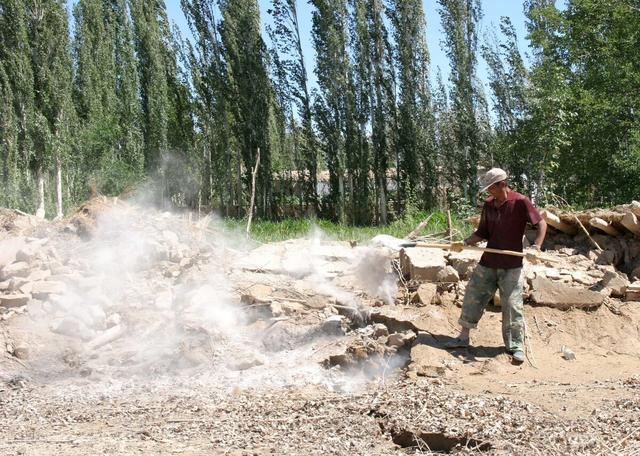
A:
{"points": [[128, 102], [460, 23], [294, 88], [415, 147]]}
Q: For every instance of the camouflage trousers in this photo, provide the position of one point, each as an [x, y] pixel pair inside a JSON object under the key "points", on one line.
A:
{"points": [[481, 288]]}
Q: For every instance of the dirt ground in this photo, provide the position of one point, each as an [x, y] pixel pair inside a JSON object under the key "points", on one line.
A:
{"points": [[171, 337]]}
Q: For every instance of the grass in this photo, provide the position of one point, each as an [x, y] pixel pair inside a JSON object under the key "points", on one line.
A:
{"points": [[266, 231]]}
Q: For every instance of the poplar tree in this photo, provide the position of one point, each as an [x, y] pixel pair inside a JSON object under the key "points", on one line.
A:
{"points": [[95, 85], [329, 34], [153, 80], [54, 113], [358, 114], [459, 21], [17, 105], [212, 116], [415, 145], [248, 94], [292, 73], [382, 102], [130, 146], [508, 80]]}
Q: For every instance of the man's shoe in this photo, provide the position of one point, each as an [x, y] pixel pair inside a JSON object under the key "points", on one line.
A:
{"points": [[518, 356]]}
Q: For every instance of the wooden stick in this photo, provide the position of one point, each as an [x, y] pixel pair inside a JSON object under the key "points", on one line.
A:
{"points": [[449, 228], [554, 221], [597, 222], [537, 257], [253, 191], [417, 229], [472, 247], [587, 233]]}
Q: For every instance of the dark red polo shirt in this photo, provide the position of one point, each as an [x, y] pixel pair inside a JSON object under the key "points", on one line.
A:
{"points": [[503, 228]]}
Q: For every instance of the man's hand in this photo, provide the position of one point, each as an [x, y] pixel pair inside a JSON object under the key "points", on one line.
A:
{"points": [[532, 254], [457, 246]]}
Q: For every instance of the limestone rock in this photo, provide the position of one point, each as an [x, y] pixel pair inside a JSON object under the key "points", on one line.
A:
{"points": [[14, 300], [42, 290], [18, 269], [448, 275], [464, 262], [563, 297], [616, 282], [401, 339], [426, 294], [380, 330], [422, 264], [335, 325], [39, 274], [8, 249], [72, 327]]}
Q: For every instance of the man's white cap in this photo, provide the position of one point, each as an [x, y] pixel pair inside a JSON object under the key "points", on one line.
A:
{"points": [[491, 177]]}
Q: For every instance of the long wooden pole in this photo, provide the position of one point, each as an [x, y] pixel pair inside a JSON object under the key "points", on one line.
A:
{"points": [[471, 247]]}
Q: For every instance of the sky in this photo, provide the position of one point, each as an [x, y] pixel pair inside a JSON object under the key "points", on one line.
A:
{"points": [[492, 11]]}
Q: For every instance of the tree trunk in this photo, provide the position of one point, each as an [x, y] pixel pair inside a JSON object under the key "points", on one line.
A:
{"points": [[383, 200], [59, 213], [40, 212]]}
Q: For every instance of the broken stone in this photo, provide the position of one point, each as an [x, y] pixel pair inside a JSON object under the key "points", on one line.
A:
{"points": [[401, 339], [16, 283], [425, 294], [335, 325], [42, 290], [26, 288], [244, 364], [19, 269], [256, 294], [616, 282], [72, 327], [14, 300], [552, 273], [318, 302], [464, 262], [422, 264], [448, 275], [27, 254], [563, 297], [21, 351], [379, 330], [39, 274], [582, 277], [8, 249], [447, 298], [567, 353], [633, 292], [606, 257]]}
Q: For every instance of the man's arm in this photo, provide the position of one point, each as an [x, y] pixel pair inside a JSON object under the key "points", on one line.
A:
{"points": [[542, 231], [473, 239]]}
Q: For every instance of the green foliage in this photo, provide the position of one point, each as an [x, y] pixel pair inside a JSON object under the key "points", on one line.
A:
{"points": [[268, 231], [459, 21], [129, 101]]}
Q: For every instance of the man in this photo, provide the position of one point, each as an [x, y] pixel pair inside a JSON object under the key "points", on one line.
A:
{"points": [[504, 217]]}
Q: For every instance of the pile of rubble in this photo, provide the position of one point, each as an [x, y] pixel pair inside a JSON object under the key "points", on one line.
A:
{"points": [[119, 292]]}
